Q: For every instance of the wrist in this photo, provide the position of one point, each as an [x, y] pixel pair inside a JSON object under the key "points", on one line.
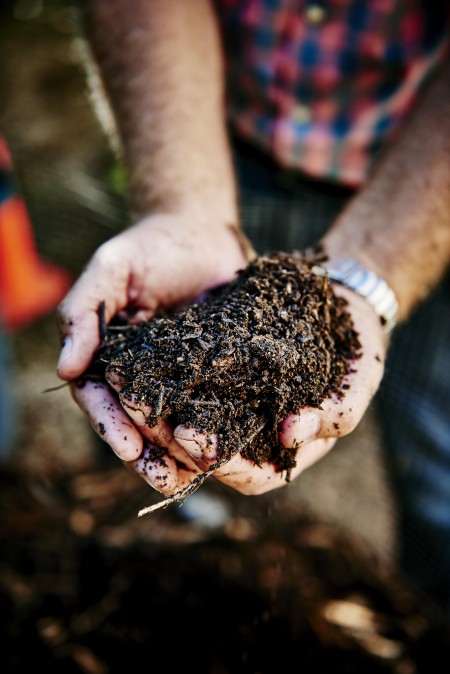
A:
{"points": [[366, 283]]}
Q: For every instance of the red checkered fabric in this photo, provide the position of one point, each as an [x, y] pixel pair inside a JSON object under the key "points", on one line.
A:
{"points": [[322, 85]]}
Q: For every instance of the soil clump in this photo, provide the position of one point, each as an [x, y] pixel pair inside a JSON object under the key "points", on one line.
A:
{"points": [[274, 340]]}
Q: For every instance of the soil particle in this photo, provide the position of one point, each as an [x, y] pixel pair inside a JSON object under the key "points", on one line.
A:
{"points": [[236, 364]]}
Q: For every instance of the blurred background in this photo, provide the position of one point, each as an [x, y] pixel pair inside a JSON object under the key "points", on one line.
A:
{"points": [[73, 188], [65, 170], [66, 175]]}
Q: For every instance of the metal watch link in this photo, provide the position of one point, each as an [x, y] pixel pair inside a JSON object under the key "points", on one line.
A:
{"points": [[366, 283]]}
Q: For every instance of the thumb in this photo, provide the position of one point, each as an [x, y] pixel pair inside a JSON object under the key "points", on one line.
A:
{"points": [[80, 338]]}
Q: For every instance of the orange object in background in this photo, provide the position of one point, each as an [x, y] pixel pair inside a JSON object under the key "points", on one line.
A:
{"points": [[29, 287]]}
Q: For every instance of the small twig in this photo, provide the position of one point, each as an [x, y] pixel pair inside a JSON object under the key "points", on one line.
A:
{"points": [[182, 494], [120, 328], [90, 377], [113, 342], [159, 401], [56, 388]]}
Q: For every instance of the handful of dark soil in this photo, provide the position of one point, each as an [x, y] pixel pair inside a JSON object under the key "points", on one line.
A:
{"points": [[274, 340]]}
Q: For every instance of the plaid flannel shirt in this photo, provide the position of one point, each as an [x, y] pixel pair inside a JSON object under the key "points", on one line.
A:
{"points": [[322, 85]]}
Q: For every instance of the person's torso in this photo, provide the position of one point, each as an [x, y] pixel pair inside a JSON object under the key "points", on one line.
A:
{"points": [[323, 85]]}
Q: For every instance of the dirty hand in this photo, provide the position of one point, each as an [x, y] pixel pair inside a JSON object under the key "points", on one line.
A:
{"points": [[172, 458], [162, 262], [312, 431]]}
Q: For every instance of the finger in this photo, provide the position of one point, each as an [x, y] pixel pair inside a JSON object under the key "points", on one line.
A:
{"points": [[160, 434], [246, 477], [162, 471], [249, 479], [133, 317], [115, 380], [138, 412], [157, 468], [180, 467], [77, 314], [108, 419], [310, 453], [299, 429], [200, 446]]}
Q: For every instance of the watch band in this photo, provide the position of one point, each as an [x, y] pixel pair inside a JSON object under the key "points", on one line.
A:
{"points": [[366, 283]]}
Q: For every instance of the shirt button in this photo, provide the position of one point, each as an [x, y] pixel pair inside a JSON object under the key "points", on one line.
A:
{"points": [[301, 114], [315, 14]]}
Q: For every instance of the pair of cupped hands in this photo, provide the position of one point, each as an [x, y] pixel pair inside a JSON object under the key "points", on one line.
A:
{"points": [[165, 262]]}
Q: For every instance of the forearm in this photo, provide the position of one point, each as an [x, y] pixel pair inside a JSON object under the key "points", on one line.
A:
{"points": [[161, 64], [399, 224]]}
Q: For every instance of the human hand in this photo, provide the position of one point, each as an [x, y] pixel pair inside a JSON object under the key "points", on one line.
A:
{"points": [[163, 262], [188, 453], [313, 431]]}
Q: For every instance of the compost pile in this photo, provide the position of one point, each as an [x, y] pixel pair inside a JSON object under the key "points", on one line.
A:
{"points": [[88, 588], [274, 340]]}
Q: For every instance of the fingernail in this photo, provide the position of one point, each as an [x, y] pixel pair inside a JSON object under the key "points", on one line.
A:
{"points": [[66, 351], [306, 427]]}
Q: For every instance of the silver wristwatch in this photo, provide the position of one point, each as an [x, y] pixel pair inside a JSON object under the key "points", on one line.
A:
{"points": [[366, 283]]}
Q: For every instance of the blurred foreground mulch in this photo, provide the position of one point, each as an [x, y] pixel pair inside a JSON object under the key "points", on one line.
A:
{"points": [[87, 586]]}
